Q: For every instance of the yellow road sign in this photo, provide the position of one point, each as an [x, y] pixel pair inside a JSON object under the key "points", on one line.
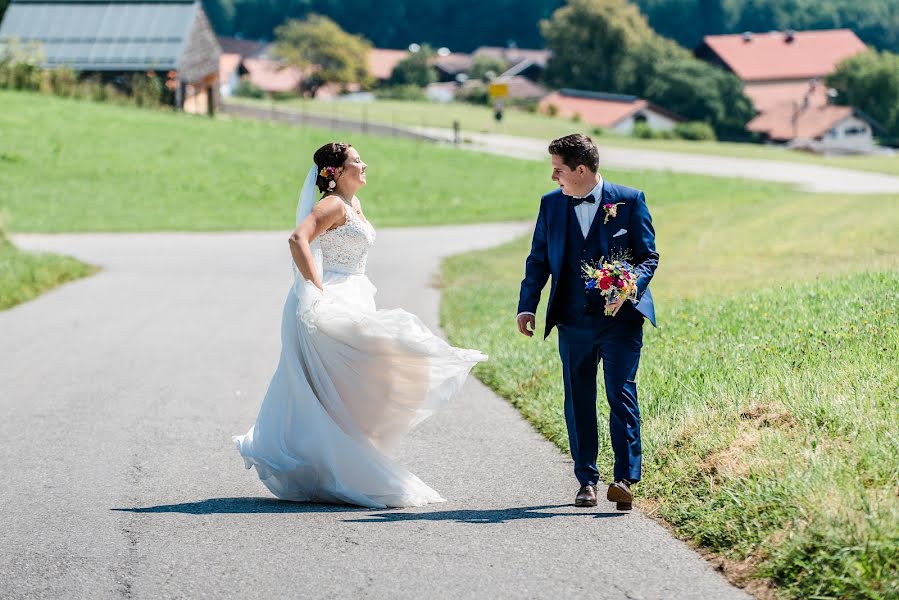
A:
{"points": [[498, 90]]}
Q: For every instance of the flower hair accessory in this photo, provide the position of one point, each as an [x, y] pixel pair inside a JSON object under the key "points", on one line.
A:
{"points": [[611, 211], [328, 173]]}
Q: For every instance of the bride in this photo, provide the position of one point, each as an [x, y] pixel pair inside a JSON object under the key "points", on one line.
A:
{"points": [[352, 379]]}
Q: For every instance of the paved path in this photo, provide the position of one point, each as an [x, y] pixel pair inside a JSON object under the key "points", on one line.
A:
{"points": [[815, 178], [120, 393]]}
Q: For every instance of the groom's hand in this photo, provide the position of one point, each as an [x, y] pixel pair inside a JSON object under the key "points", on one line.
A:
{"points": [[524, 321], [612, 307]]}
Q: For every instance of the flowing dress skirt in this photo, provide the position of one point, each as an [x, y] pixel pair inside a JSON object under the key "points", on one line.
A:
{"points": [[351, 381]]}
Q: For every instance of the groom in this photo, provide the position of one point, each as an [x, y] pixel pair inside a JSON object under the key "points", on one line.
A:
{"points": [[589, 218]]}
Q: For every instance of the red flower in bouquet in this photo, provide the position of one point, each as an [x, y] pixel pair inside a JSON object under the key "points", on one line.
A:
{"points": [[606, 282]]}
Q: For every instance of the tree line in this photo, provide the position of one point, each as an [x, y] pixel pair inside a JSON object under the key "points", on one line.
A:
{"points": [[463, 25], [876, 22]]}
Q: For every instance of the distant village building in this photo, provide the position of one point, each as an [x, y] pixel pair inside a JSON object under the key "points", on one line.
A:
{"points": [[115, 39], [381, 62], [614, 112], [452, 65], [522, 88], [815, 124], [234, 51], [526, 62], [778, 66], [272, 76], [523, 68], [783, 74], [245, 48], [442, 91], [229, 73]]}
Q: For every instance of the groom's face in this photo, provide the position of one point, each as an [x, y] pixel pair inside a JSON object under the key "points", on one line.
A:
{"points": [[571, 181]]}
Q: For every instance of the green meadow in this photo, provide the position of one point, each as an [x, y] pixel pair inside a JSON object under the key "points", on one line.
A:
{"points": [[69, 165]]}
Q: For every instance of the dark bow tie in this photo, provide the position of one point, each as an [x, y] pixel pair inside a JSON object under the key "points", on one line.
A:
{"points": [[575, 201]]}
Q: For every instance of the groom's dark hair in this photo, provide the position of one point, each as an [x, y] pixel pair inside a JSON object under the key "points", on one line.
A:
{"points": [[576, 149]]}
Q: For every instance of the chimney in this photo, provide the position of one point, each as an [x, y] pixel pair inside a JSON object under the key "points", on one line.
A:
{"points": [[747, 37], [790, 36]]}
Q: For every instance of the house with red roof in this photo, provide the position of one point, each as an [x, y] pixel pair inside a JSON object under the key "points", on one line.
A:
{"points": [[272, 76], [450, 65], [778, 66], [381, 62], [615, 112], [814, 123], [783, 74]]}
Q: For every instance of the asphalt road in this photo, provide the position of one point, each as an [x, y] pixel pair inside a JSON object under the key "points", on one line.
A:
{"points": [[120, 393]]}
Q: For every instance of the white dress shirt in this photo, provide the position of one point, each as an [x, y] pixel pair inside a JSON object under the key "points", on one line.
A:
{"points": [[585, 212]]}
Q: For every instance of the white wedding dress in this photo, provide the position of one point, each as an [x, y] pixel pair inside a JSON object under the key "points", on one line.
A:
{"points": [[351, 381]]}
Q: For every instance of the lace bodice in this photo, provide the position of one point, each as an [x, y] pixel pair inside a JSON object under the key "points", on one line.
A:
{"points": [[345, 248]]}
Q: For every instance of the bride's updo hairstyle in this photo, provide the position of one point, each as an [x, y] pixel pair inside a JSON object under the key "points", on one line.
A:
{"points": [[328, 159]]}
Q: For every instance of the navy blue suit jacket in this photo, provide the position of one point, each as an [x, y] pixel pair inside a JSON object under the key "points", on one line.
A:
{"points": [[548, 247]]}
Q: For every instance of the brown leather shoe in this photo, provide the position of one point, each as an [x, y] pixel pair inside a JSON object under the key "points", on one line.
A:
{"points": [[620, 493], [586, 496]]}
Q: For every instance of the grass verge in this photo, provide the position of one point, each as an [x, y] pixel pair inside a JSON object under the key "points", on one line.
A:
{"points": [[25, 275]]}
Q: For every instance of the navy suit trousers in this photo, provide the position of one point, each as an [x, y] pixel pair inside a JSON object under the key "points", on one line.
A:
{"points": [[582, 345]]}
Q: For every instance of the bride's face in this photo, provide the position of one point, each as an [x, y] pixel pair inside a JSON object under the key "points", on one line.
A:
{"points": [[354, 169]]}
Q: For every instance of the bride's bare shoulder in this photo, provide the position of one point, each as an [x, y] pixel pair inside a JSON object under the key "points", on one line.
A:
{"points": [[332, 205], [332, 210], [329, 201]]}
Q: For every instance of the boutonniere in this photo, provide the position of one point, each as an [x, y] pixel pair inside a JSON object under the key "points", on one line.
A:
{"points": [[611, 211]]}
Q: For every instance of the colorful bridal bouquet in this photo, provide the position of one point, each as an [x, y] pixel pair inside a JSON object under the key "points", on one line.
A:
{"points": [[615, 279]]}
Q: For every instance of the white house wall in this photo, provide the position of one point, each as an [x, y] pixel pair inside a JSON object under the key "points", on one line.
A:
{"points": [[228, 86], [841, 135]]}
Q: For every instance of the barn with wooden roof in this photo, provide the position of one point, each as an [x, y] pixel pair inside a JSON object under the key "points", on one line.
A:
{"points": [[116, 38]]}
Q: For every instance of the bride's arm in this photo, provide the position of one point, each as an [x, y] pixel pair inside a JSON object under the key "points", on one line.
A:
{"points": [[326, 214]]}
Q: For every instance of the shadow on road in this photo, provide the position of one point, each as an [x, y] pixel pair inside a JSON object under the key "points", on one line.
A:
{"points": [[501, 515], [242, 505], [271, 505]]}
